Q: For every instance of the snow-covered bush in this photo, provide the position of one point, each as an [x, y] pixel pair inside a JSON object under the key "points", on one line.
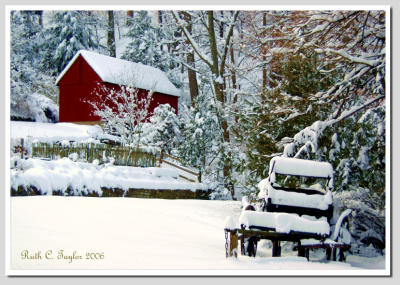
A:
{"points": [[221, 193], [122, 112], [42, 108], [367, 222], [163, 130]]}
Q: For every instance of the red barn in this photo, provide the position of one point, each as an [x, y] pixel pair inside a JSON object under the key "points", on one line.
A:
{"points": [[88, 72]]}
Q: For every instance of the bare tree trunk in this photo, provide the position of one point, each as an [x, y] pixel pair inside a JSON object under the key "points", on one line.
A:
{"points": [[160, 16], [234, 86], [193, 87], [111, 34], [214, 56], [219, 93], [221, 26], [264, 58], [40, 18], [192, 77]]}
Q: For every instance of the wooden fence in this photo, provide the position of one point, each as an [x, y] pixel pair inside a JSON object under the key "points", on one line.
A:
{"points": [[122, 155]]}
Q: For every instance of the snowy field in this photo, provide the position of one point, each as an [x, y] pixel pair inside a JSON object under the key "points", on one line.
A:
{"points": [[145, 236]]}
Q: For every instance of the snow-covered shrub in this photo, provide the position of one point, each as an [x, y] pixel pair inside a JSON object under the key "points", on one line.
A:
{"points": [[42, 108], [163, 130], [367, 222], [74, 157], [122, 112], [221, 193]]}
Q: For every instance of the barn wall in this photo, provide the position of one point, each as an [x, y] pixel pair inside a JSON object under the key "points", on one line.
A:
{"points": [[75, 88], [159, 99], [72, 75], [73, 106]]}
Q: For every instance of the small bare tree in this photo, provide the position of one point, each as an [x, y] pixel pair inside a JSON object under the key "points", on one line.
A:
{"points": [[122, 112]]}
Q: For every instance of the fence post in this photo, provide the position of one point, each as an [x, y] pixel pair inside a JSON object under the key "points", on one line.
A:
{"points": [[22, 148], [233, 237], [161, 158]]}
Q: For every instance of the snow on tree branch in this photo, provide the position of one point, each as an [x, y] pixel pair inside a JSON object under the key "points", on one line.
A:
{"points": [[122, 111], [309, 136], [227, 41], [188, 35]]}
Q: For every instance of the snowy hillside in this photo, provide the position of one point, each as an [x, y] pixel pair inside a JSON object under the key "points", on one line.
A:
{"points": [[146, 236]]}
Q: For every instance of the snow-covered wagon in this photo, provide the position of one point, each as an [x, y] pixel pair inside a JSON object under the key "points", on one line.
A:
{"points": [[297, 206]]}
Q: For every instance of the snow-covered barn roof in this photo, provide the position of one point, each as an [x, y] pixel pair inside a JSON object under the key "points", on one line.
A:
{"points": [[123, 72]]}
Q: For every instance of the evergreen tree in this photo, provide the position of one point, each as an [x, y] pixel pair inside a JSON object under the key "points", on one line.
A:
{"points": [[354, 145], [145, 44], [320, 65], [68, 32], [26, 77], [301, 76], [23, 57], [201, 137], [164, 129], [270, 116]]}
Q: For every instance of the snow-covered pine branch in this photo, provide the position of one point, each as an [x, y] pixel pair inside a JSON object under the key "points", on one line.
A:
{"points": [[310, 135]]}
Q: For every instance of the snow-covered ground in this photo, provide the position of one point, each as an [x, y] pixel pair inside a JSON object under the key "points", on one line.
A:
{"points": [[134, 236], [58, 175], [145, 236], [58, 131]]}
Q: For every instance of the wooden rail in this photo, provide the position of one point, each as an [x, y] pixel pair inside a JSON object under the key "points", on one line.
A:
{"points": [[177, 163]]}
